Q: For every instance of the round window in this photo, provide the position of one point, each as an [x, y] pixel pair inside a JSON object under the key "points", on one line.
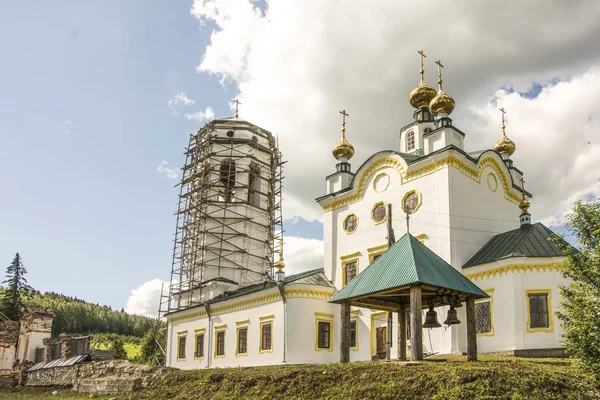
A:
{"points": [[350, 223], [411, 202], [379, 213]]}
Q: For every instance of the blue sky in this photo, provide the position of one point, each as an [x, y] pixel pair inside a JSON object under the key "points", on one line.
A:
{"points": [[84, 121], [84, 124]]}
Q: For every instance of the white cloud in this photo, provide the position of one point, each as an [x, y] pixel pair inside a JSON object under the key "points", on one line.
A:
{"points": [[200, 116], [298, 63], [179, 98], [170, 173], [302, 254], [64, 127], [145, 300]]}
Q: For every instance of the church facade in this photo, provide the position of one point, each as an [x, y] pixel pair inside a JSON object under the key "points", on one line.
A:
{"points": [[469, 207]]}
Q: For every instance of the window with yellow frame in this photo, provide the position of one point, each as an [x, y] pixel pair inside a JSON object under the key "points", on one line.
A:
{"points": [[324, 331], [376, 251], [354, 322], [220, 341], [350, 224], [539, 311], [349, 267], [241, 338], [266, 334], [181, 344], [198, 344], [379, 213]]}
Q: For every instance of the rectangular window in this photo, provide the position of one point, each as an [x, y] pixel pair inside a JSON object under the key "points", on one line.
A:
{"points": [[199, 352], [242, 341], [349, 271], [483, 317], [181, 353], [353, 333], [39, 355], [538, 310], [220, 344], [324, 329], [266, 336]]}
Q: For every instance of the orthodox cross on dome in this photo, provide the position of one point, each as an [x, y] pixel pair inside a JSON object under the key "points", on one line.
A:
{"points": [[422, 71], [237, 103], [344, 115], [440, 66], [522, 186], [503, 125]]}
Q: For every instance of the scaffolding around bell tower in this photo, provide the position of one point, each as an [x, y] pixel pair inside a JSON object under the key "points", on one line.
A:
{"points": [[229, 215]]}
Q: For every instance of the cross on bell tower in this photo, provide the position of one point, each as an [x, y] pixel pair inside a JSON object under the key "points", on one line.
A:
{"points": [[237, 103]]}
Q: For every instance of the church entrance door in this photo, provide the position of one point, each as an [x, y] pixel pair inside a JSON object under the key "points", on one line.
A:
{"points": [[381, 339]]}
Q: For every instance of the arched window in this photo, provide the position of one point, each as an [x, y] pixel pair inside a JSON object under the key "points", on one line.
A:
{"points": [[227, 178], [254, 185], [426, 130], [410, 141]]}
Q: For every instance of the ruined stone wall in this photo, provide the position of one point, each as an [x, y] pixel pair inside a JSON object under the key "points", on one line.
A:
{"points": [[36, 325], [115, 376], [9, 333]]}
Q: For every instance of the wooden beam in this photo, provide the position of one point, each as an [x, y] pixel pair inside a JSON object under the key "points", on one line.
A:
{"points": [[388, 349], [416, 324], [345, 332], [402, 334], [471, 330], [378, 304]]}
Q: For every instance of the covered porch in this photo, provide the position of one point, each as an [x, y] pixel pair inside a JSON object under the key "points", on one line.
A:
{"points": [[408, 278]]}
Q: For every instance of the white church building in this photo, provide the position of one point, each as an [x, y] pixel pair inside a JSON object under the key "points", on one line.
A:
{"points": [[230, 304]]}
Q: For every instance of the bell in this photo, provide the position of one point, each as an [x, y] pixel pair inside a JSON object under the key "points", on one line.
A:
{"points": [[452, 317], [455, 302], [431, 319]]}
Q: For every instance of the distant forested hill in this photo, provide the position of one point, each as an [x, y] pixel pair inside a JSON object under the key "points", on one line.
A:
{"points": [[72, 315]]}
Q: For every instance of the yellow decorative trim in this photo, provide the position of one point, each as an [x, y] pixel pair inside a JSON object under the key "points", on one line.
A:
{"points": [[491, 300], [349, 256], [376, 179], [184, 337], [260, 345], [357, 319], [183, 332], [270, 316], [385, 216], [344, 224], [323, 314], [355, 311], [242, 321], [376, 250], [421, 237], [218, 329], [330, 322], [373, 334], [419, 196], [259, 301], [491, 273], [448, 162], [237, 341], [492, 182], [550, 313], [199, 332]]}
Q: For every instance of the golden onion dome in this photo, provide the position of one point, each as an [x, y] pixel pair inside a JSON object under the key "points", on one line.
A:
{"points": [[343, 150], [442, 103], [524, 205], [280, 264], [505, 146], [421, 96]]}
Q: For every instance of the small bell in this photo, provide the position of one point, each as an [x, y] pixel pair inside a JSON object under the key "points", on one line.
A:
{"points": [[452, 318], [455, 302], [431, 319]]}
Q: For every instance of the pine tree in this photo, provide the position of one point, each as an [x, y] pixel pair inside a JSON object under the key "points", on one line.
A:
{"points": [[580, 313], [119, 348], [16, 285]]}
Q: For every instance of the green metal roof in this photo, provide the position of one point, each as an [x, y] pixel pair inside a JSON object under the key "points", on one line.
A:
{"points": [[407, 262], [529, 240]]}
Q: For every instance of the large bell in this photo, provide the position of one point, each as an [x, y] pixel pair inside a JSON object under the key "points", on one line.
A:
{"points": [[452, 318], [431, 319]]}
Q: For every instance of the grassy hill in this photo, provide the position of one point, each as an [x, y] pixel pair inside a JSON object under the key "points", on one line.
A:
{"points": [[494, 377]]}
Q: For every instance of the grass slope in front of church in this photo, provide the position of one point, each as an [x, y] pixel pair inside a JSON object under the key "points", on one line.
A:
{"points": [[493, 377]]}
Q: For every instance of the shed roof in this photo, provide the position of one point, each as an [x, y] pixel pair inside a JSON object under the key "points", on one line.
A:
{"points": [[406, 263], [530, 240]]}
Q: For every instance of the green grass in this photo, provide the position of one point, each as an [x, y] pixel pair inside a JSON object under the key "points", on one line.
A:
{"points": [[132, 349], [494, 377], [42, 394]]}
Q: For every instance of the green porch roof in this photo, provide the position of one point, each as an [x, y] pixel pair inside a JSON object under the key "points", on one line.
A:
{"points": [[526, 241], [407, 262]]}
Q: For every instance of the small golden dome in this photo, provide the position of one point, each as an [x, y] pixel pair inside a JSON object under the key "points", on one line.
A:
{"points": [[421, 96], [524, 205], [442, 103], [505, 146], [343, 150], [280, 264]]}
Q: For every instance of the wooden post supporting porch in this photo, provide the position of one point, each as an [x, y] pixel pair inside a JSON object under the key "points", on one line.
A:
{"points": [[345, 332], [388, 347], [402, 334], [416, 324], [471, 330]]}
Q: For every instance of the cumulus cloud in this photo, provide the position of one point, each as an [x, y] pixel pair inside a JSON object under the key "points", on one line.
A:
{"points": [[200, 116], [297, 63], [170, 173], [179, 98], [302, 254], [145, 299]]}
